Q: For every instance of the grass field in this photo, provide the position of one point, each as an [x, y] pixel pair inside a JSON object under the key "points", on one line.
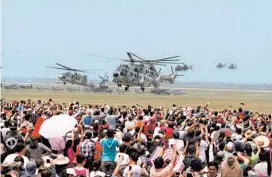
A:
{"points": [[218, 99]]}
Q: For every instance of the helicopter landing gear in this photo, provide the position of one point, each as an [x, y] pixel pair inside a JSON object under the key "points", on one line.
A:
{"points": [[126, 88], [142, 88], [64, 83]]}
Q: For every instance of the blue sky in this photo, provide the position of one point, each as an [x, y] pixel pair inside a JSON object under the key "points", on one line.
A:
{"points": [[39, 33]]}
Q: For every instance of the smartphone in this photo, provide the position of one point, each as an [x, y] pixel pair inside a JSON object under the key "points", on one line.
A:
{"points": [[130, 167], [48, 161]]}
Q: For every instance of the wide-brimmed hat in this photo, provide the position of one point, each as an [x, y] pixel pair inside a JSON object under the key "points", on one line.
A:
{"points": [[61, 160], [263, 139]]}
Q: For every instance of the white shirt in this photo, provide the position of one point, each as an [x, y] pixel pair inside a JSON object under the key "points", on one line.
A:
{"points": [[137, 170], [129, 124], [156, 131], [179, 143], [202, 150], [10, 159], [124, 155], [261, 168], [97, 173]]}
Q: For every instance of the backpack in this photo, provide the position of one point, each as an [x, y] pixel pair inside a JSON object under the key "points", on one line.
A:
{"points": [[98, 151]]}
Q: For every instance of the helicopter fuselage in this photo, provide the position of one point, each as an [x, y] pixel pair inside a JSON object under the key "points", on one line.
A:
{"points": [[74, 78], [136, 75]]}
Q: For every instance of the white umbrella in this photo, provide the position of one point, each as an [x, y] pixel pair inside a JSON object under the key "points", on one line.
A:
{"points": [[57, 126]]}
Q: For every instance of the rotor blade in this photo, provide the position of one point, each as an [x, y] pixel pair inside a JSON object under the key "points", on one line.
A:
{"points": [[162, 60], [172, 69], [132, 54], [105, 75], [159, 71], [168, 63], [64, 66], [87, 70], [158, 64], [59, 68], [130, 57], [101, 77]]}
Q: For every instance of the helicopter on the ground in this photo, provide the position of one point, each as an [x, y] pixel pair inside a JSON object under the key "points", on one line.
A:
{"points": [[73, 76], [232, 66], [142, 72], [221, 65], [183, 67]]}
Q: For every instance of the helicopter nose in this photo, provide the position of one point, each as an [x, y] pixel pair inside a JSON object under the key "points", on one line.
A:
{"points": [[115, 74]]}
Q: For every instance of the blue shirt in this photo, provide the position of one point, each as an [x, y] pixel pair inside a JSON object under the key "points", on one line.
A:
{"points": [[109, 149]]}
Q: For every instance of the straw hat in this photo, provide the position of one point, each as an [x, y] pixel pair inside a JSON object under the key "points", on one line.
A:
{"points": [[263, 140], [61, 160]]}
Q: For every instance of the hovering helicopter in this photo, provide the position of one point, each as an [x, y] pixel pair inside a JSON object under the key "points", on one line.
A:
{"points": [[169, 78], [232, 66], [102, 87], [183, 67], [221, 65], [73, 76], [142, 72]]}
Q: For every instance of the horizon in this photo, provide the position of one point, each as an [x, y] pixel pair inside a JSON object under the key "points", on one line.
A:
{"points": [[41, 33]]}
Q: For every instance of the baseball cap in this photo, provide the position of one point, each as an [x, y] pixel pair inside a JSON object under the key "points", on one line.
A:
{"points": [[30, 169]]}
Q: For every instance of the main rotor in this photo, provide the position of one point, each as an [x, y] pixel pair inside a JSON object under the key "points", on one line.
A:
{"points": [[161, 62], [65, 68]]}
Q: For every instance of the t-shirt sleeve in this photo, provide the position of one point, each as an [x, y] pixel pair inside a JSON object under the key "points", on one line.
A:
{"points": [[243, 166], [116, 143], [254, 159]]}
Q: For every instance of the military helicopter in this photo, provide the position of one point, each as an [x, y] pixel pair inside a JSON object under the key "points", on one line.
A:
{"points": [[73, 76], [232, 66], [183, 67], [141, 72], [102, 87], [170, 78], [221, 65]]}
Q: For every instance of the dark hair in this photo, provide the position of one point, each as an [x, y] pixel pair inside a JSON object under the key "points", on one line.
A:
{"points": [[123, 148], [248, 149], [96, 165], [134, 156], [110, 133], [137, 129], [27, 117], [222, 146], [19, 147], [158, 162], [213, 163], [80, 158], [67, 146], [20, 159]]}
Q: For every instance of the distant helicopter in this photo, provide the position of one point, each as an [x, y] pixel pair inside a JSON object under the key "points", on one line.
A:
{"points": [[221, 65], [142, 72], [72, 76], [183, 67], [170, 78], [102, 87], [232, 66]]}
